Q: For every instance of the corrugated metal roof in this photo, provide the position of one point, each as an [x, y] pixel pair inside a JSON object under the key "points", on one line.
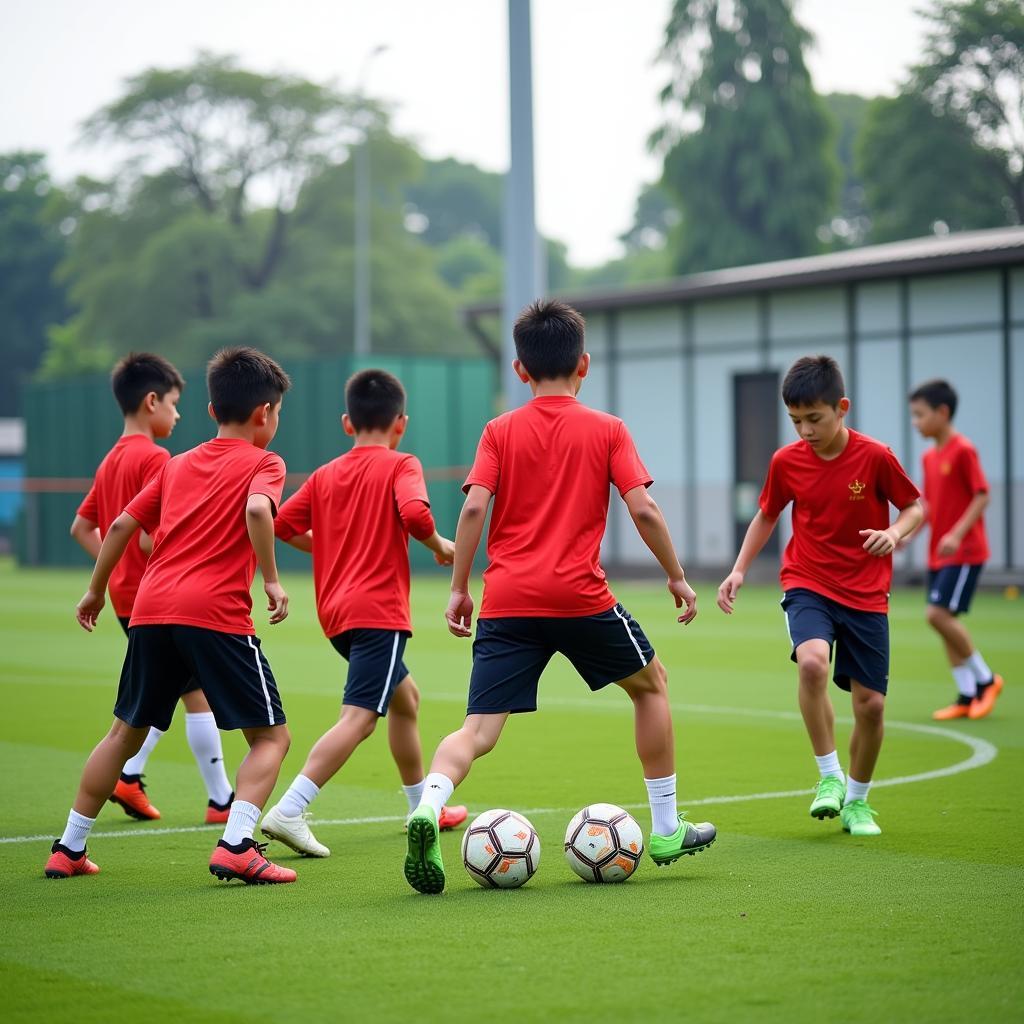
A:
{"points": [[964, 250]]}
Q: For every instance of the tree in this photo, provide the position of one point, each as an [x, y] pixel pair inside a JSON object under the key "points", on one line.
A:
{"points": [[850, 222], [458, 200], [748, 148]]}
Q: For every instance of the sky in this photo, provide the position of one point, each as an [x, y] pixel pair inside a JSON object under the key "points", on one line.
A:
{"points": [[444, 70]]}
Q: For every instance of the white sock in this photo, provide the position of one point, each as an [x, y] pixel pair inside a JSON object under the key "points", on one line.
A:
{"points": [[661, 793], [241, 824], [137, 764], [437, 789], [966, 683], [300, 795], [982, 673], [204, 739], [76, 831], [856, 790], [414, 794], [828, 764]]}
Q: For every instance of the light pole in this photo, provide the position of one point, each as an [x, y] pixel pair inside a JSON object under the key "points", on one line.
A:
{"points": [[363, 201]]}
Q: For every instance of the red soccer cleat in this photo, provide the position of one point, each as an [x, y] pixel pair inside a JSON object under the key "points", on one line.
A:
{"points": [[217, 814], [451, 817], [63, 863], [130, 794], [247, 863]]}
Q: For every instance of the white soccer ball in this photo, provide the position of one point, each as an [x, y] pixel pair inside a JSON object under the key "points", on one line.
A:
{"points": [[501, 849], [603, 843]]}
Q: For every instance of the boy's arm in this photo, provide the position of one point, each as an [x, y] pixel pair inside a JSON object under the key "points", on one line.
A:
{"points": [[121, 531], [884, 542], [419, 524], [87, 535], [259, 522], [653, 530], [302, 542], [758, 532], [949, 544], [459, 613]]}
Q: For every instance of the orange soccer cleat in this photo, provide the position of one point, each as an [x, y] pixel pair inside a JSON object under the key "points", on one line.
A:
{"points": [[987, 701], [217, 814], [960, 708], [63, 863], [130, 794], [451, 817], [246, 861]]}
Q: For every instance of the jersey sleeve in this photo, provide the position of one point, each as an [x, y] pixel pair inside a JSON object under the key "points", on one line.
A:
{"points": [[625, 469], [486, 471], [893, 483], [776, 493], [90, 509], [269, 478], [973, 474], [411, 499], [144, 508], [296, 514]]}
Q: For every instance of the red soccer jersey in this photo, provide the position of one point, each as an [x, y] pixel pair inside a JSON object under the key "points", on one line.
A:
{"points": [[359, 508], [203, 564], [125, 470], [549, 465], [833, 500], [952, 477]]}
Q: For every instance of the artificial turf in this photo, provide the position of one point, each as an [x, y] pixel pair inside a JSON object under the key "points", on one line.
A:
{"points": [[785, 918]]}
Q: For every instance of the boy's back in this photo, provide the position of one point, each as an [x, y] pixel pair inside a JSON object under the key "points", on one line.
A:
{"points": [[952, 477], [549, 465]]}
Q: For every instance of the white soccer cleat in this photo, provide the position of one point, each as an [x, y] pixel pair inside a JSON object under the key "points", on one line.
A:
{"points": [[293, 832]]}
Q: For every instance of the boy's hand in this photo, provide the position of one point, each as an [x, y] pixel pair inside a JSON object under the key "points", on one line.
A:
{"points": [[728, 590], [880, 542], [683, 593], [277, 602], [445, 553], [948, 545], [459, 614], [89, 609]]}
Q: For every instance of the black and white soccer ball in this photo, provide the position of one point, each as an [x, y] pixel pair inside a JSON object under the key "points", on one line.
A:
{"points": [[603, 843], [501, 849]]}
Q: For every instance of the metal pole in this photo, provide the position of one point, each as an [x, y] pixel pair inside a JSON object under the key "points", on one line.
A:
{"points": [[362, 230], [523, 275]]}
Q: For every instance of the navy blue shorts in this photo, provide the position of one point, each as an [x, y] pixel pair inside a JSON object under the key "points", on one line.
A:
{"points": [[860, 639], [510, 654], [375, 666], [162, 662], [189, 686], [952, 586]]}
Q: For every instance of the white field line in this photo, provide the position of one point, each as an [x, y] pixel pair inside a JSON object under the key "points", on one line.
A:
{"points": [[982, 752]]}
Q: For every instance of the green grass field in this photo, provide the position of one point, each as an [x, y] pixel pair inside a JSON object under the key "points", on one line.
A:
{"points": [[785, 918]]}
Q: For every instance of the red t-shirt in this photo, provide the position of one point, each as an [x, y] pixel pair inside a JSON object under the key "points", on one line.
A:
{"points": [[203, 564], [832, 501], [125, 470], [952, 477], [549, 465], [360, 508]]}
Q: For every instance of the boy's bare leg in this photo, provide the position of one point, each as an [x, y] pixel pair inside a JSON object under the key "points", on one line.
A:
{"points": [[868, 730], [815, 705], [336, 745], [954, 635], [458, 750], [257, 774], [404, 733], [103, 768], [652, 717]]}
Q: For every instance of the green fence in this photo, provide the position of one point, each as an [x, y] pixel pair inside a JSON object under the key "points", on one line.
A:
{"points": [[72, 424]]}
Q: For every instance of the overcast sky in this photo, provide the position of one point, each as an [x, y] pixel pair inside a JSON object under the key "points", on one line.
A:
{"points": [[595, 80]]}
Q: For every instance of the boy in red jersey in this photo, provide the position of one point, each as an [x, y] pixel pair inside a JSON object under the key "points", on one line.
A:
{"points": [[362, 508], [147, 389], [210, 512], [836, 572], [955, 496], [548, 467]]}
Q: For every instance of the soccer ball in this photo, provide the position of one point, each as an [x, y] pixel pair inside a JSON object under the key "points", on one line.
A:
{"points": [[603, 844], [501, 849]]}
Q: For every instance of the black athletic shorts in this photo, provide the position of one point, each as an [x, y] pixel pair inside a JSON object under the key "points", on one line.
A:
{"points": [[509, 655], [231, 669], [375, 666], [860, 639], [952, 586], [191, 685]]}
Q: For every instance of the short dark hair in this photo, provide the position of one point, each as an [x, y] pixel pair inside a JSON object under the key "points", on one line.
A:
{"points": [[935, 393], [813, 379], [139, 373], [549, 339], [242, 379], [374, 399]]}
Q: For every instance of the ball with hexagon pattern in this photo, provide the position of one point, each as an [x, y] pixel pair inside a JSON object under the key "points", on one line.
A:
{"points": [[501, 849], [603, 843]]}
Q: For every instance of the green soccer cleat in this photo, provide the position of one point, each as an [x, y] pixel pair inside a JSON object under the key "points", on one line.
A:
{"points": [[828, 798], [859, 820], [424, 869], [687, 840]]}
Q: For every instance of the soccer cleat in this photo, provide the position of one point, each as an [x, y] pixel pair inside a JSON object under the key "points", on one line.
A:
{"points": [[424, 869], [986, 700], [828, 797], [449, 818], [293, 832], [859, 819], [63, 863], [217, 814], [246, 862], [130, 794], [960, 708], [687, 840]]}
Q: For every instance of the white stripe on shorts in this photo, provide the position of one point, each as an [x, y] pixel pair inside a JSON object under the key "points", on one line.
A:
{"points": [[263, 681], [629, 633], [958, 590], [387, 678]]}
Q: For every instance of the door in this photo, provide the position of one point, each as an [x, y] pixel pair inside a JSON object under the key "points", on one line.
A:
{"points": [[756, 416]]}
